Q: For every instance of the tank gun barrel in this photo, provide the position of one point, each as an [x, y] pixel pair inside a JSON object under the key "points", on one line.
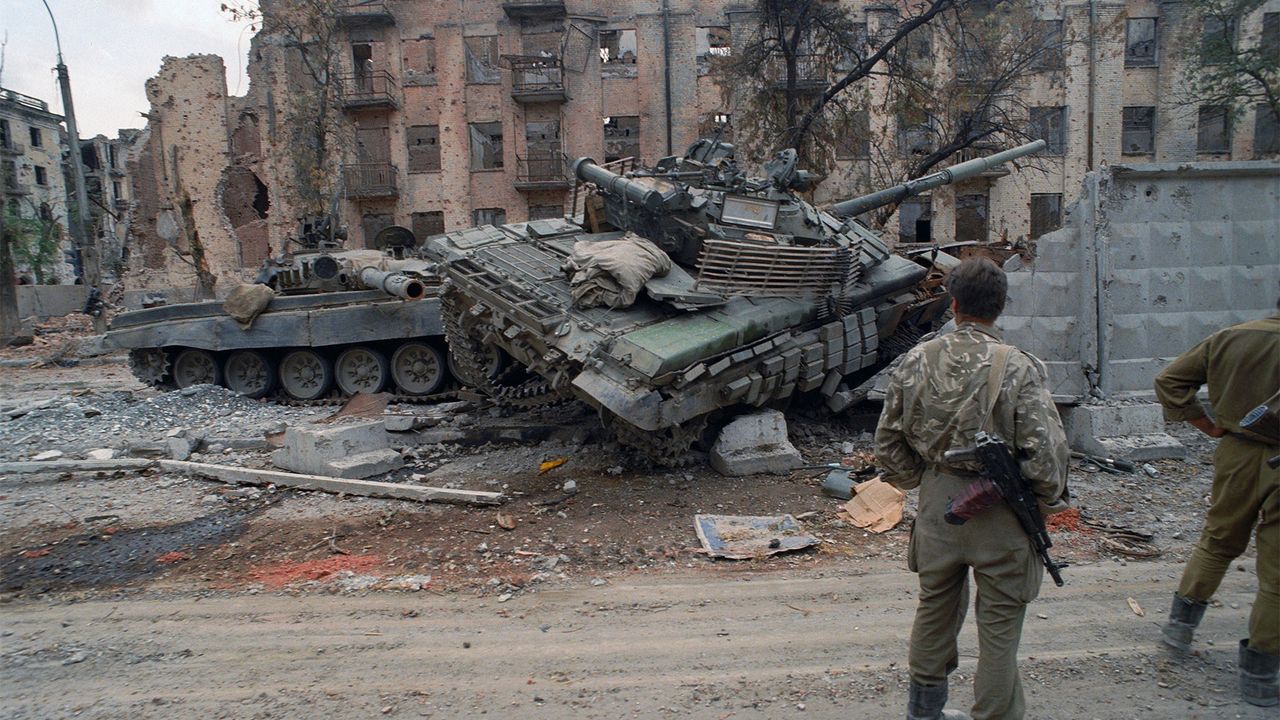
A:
{"points": [[652, 199], [955, 173], [393, 283]]}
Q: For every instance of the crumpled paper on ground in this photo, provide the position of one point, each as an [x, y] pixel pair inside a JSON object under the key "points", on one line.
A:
{"points": [[876, 506], [247, 302], [611, 273], [742, 537]]}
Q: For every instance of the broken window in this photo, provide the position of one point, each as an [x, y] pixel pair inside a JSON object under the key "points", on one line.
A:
{"points": [[915, 133], [545, 212], [418, 64], [10, 172], [37, 138], [542, 137], [1046, 213], [717, 122], [115, 189], [1217, 38], [853, 136], [618, 46], [1138, 134], [1140, 42], [1050, 123], [486, 145], [488, 216], [915, 220], [1266, 134], [621, 137], [42, 175], [46, 212], [482, 59], [971, 218], [1050, 56], [6, 140], [1213, 131], [362, 59], [424, 148], [372, 224], [713, 42], [426, 224], [1270, 42], [373, 139]]}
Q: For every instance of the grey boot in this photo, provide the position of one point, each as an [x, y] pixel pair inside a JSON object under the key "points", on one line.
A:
{"points": [[926, 702], [1258, 670], [1184, 617]]}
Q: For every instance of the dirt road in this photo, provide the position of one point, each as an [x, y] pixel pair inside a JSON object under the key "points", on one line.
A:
{"points": [[827, 644]]}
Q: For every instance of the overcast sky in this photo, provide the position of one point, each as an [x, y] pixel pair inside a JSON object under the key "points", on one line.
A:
{"points": [[111, 47]]}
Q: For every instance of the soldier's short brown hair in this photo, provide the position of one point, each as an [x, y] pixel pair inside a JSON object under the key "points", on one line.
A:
{"points": [[979, 288]]}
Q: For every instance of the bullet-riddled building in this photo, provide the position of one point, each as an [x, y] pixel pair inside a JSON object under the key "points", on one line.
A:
{"points": [[31, 165], [464, 113]]}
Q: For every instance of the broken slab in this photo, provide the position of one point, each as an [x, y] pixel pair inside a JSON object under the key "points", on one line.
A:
{"points": [[341, 450], [61, 466], [1132, 431], [371, 488], [743, 537], [754, 444]]}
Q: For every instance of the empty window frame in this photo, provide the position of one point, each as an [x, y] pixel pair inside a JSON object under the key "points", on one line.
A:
{"points": [[720, 123], [618, 46], [915, 220], [621, 137], [1050, 56], [1213, 130], [1270, 42], [1217, 39], [712, 42], [482, 59], [418, 61], [1140, 42], [488, 216], [1137, 136], [37, 137], [42, 175], [1046, 213], [971, 218], [426, 224], [486, 145], [424, 148], [853, 136], [1050, 123], [1266, 132]]}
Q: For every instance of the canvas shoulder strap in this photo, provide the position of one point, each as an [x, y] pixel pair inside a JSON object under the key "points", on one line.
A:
{"points": [[995, 378]]}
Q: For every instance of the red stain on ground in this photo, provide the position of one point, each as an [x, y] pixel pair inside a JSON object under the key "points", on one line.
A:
{"points": [[281, 574], [1066, 521], [172, 556], [29, 554]]}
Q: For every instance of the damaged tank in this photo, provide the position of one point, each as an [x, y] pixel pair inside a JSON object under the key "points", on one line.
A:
{"points": [[687, 290], [335, 322]]}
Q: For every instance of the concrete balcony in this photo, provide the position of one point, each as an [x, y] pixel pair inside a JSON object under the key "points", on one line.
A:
{"points": [[542, 171], [11, 148], [372, 91], [536, 79], [365, 13], [370, 181], [534, 9], [811, 72]]}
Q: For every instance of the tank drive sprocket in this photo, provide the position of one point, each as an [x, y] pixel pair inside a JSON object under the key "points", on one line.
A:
{"points": [[667, 447], [150, 365]]}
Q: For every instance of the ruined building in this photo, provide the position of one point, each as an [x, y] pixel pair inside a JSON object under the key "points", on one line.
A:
{"points": [[35, 188], [455, 114]]}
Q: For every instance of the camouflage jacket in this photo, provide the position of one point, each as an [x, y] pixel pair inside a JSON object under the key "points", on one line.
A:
{"points": [[935, 402]]}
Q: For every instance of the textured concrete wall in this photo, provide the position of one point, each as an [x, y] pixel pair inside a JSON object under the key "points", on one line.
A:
{"points": [[1154, 258], [44, 301]]}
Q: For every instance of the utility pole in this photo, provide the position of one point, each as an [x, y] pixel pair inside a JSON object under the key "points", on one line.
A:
{"points": [[9, 329], [80, 233]]}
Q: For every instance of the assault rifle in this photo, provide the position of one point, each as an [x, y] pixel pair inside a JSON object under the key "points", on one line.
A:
{"points": [[1001, 480]]}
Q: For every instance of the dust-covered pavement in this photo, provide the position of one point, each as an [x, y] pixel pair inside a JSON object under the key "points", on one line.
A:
{"points": [[155, 594], [827, 644]]}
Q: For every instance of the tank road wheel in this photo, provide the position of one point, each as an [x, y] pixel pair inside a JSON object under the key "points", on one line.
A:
{"points": [[306, 375], [249, 373], [417, 368], [150, 365], [196, 367], [361, 370], [489, 358]]}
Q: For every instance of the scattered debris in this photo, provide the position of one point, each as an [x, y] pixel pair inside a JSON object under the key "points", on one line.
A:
{"points": [[550, 465], [506, 521], [62, 466], [755, 444], [349, 450], [274, 577], [100, 454], [570, 487], [359, 406], [838, 484], [742, 537], [1114, 466], [876, 506], [47, 455], [1066, 521], [1135, 607]]}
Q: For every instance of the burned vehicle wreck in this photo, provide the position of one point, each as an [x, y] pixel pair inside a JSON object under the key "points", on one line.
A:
{"points": [[752, 296]]}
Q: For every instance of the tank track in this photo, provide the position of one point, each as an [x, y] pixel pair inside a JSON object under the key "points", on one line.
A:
{"points": [[468, 353], [669, 447]]}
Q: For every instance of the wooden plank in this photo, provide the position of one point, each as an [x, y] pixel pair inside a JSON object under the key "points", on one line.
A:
{"points": [[372, 488], [61, 466]]}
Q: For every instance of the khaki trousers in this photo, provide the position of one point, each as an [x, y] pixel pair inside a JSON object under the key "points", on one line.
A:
{"points": [[1245, 492], [1007, 574]]}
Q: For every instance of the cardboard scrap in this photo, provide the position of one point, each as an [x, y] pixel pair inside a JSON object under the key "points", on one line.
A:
{"points": [[1135, 607], [876, 506], [742, 537], [360, 405]]}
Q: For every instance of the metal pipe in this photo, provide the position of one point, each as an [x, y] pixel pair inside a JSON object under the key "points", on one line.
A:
{"points": [[955, 173], [393, 283], [666, 65]]}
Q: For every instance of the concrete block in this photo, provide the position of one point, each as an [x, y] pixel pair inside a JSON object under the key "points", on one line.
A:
{"points": [[1133, 432], [312, 449], [753, 444], [179, 448], [365, 464]]}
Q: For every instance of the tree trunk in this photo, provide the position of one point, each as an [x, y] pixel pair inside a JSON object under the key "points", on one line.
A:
{"points": [[9, 328]]}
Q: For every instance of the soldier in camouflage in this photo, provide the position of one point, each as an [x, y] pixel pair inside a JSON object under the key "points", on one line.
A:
{"points": [[938, 399]]}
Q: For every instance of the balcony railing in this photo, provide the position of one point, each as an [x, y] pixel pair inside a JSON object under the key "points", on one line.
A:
{"points": [[533, 9], [536, 78], [27, 101], [811, 72], [369, 91], [544, 170], [370, 180], [365, 13]]}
